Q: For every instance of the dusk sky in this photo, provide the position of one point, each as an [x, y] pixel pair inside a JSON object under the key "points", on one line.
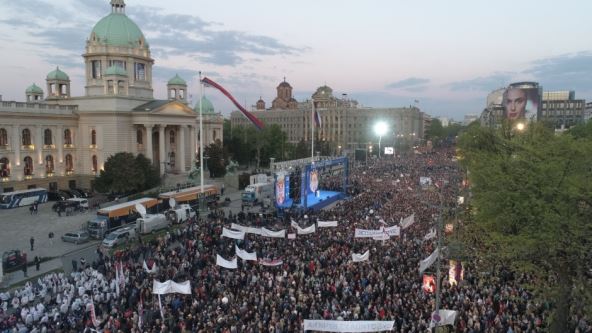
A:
{"points": [[447, 54]]}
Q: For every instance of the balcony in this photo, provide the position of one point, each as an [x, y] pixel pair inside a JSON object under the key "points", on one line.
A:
{"points": [[92, 146], [52, 146], [49, 174], [4, 179], [29, 177], [69, 172], [28, 147], [69, 145]]}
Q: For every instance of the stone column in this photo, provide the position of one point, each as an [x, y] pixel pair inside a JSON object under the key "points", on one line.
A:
{"points": [[182, 148], [39, 144], [193, 144], [161, 141], [16, 147], [59, 165], [149, 142]]}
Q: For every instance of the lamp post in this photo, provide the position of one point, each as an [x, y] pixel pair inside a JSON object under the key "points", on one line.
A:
{"points": [[380, 128]]}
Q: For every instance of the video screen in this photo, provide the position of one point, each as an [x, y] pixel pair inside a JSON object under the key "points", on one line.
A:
{"points": [[521, 102]]}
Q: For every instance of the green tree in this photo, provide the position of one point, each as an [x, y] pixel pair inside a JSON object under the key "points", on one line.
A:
{"points": [[301, 150], [125, 173], [435, 132], [532, 210], [216, 162]]}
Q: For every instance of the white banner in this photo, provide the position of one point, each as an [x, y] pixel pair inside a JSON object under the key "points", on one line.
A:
{"points": [[347, 326], [233, 234], [154, 269], [447, 317], [393, 231], [408, 221], [273, 234], [306, 231], [430, 235], [294, 224], [361, 257], [247, 230], [171, 287], [269, 262], [325, 224], [425, 181], [427, 262], [232, 264], [378, 233], [291, 236], [244, 255]]}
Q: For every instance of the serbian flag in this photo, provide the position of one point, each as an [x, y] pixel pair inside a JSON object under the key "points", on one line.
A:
{"points": [[258, 123], [429, 284], [317, 118]]}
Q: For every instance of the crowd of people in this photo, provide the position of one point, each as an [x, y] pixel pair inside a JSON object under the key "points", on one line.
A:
{"points": [[315, 277]]}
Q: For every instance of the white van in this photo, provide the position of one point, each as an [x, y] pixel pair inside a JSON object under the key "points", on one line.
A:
{"points": [[81, 201], [180, 214], [151, 223]]}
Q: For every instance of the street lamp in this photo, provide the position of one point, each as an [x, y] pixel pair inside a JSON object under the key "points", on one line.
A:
{"points": [[380, 128], [520, 126]]}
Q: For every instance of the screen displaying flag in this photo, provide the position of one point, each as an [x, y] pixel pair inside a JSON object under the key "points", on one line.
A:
{"points": [[317, 118], [258, 123]]}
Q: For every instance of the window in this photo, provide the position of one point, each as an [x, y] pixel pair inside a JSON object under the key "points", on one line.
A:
{"points": [[214, 135], [26, 137], [172, 135], [140, 72], [118, 63], [93, 137], [47, 137], [120, 88], [172, 159], [3, 137], [4, 167], [94, 163], [96, 69], [69, 163], [67, 137], [110, 90], [28, 166], [49, 164], [139, 137]]}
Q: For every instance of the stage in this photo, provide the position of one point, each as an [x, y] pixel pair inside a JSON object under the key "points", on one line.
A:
{"points": [[324, 199]]}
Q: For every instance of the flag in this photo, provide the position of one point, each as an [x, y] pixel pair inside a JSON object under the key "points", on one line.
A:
{"points": [[427, 262], [258, 123], [430, 235], [93, 315], [141, 312], [317, 118], [429, 284], [361, 257]]}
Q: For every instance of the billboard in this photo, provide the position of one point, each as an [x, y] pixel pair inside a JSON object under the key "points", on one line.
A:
{"points": [[282, 190], [522, 100], [389, 150]]}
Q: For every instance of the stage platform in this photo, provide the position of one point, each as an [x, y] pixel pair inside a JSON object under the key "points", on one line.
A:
{"points": [[324, 199]]}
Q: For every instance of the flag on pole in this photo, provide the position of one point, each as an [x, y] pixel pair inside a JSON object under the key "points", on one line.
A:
{"points": [[317, 118], [258, 123], [93, 315]]}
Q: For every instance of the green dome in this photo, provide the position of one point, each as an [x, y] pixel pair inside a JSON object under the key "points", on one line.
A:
{"points": [[115, 70], [57, 74], [119, 30], [206, 106], [34, 89], [178, 81]]}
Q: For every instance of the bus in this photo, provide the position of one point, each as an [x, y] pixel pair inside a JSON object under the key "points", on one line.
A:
{"points": [[116, 216], [191, 196], [23, 198]]}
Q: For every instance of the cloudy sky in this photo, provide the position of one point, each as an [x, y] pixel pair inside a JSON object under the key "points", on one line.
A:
{"points": [[384, 53]]}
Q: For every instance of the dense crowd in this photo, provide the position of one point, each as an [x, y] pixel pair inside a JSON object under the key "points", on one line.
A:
{"points": [[317, 278]]}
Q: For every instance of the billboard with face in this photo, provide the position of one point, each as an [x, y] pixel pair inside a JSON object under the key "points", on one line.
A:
{"points": [[522, 101], [282, 190]]}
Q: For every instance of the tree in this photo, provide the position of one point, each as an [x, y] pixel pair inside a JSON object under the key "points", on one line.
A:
{"points": [[435, 131], [532, 206], [216, 162], [125, 173]]}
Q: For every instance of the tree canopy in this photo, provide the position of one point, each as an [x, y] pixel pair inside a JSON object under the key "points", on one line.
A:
{"points": [[125, 173]]}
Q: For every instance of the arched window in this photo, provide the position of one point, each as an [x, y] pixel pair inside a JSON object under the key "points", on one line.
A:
{"points": [[172, 159], [69, 163], [67, 137], [47, 140], [3, 137], [93, 137], [28, 166], [139, 137], [49, 164], [214, 135], [94, 163], [172, 137], [26, 137], [4, 167]]}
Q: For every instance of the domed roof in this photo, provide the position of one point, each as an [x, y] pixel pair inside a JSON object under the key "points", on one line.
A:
{"points": [[285, 84], [118, 30], [206, 106], [34, 89], [325, 90], [177, 80], [115, 70], [57, 74]]}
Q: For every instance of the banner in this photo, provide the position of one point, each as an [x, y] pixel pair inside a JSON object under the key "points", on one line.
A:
{"points": [[270, 262], [93, 315], [429, 284], [361, 257], [232, 264], [247, 230], [326, 224], [233, 234], [294, 224], [425, 181], [430, 235], [427, 262], [377, 233], [273, 234], [291, 236], [141, 312], [244, 255], [171, 287], [154, 269], [117, 291], [446, 317], [347, 326], [455, 272], [393, 231], [408, 221], [307, 230]]}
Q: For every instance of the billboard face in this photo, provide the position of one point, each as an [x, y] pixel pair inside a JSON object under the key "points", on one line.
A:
{"points": [[521, 103], [282, 190], [313, 177]]}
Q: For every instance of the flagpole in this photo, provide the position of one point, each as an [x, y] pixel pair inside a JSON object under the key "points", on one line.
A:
{"points": [[312, 126], [201, 166]]}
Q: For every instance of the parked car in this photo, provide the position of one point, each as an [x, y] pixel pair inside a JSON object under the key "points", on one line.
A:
{"points": [[84, 193], [119, 236], [13, 258], [70, 193], [55, 196], [76, 192], [65, 194], [63, 205], [76, 237]]}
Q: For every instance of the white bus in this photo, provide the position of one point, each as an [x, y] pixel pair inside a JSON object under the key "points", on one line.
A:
{"points": [[23, 198]]}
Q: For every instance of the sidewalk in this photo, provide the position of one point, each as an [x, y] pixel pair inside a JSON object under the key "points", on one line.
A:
{"points": [[11, 279]]}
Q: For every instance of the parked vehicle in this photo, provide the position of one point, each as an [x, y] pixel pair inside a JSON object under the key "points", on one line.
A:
{"points": [[180, 214], [76, 237], [55, 196], [23, 198], [64, 205], [77, 193], [82, 202], [13, 258], [255, 193], [84, 193], [113, 217], [151, 223], [70, 193], [192, 195], [119, 236]]}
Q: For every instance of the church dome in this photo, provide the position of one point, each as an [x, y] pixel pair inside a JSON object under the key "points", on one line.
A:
{"points": [[117, 29], [206, 106], [285, 84], [57, 74], [115, 70], [177, 80], [34, 89], [325, 91]]}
